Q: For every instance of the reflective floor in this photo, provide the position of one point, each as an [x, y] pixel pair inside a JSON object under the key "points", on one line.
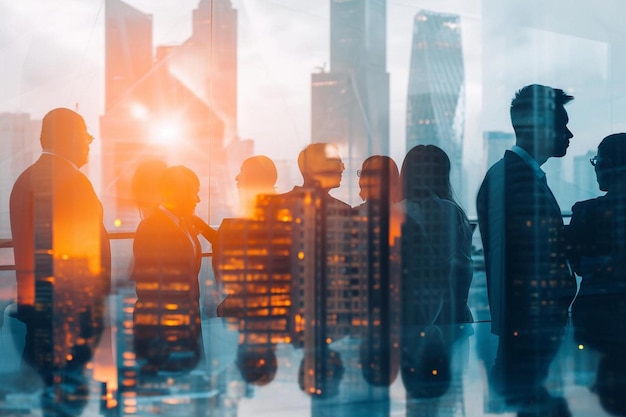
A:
{"points": [[216, 387]]}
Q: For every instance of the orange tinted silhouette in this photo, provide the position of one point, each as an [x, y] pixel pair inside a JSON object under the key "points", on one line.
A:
{"points": [[167, 262], [145, 186], [321, 166], [257, 176], [62, 256], [376, 172]]}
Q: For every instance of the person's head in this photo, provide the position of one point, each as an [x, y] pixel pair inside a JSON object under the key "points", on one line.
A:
{"points": [[257, 176], [257, 172], [179, 187], [145, 185], [64, 133], [426, 171], [540, 121], [610, 163], [321, 165], [379, 171]]}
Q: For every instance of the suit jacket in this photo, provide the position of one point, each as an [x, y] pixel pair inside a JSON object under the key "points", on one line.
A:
{"points": [[596, 238], [62, 258], [167, 259], [57, 228], [528, 277]]}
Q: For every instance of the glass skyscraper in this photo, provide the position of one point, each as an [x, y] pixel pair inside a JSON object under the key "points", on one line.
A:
{"points": [[350, 103], [436, 95]]}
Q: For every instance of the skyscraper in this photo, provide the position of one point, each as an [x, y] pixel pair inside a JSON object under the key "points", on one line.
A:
{"points": [[179, 106], [20, 141], [350, 104], [585, 181], [436, 97], [495, 143]]}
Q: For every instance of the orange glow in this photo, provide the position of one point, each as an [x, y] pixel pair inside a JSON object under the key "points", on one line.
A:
{"points": [[105, 369], [166, 133], [139, 111], [284, 215]]}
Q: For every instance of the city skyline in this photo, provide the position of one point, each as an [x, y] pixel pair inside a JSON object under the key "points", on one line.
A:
{"points": [[178, 105], [58, 68]]}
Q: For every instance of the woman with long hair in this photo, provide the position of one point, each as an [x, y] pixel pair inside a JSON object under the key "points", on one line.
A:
{"points": [[436, 271], [428, 198]]}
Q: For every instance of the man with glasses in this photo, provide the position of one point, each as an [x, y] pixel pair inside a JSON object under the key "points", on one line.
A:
{"points": [[62, 257], [530, 285]]}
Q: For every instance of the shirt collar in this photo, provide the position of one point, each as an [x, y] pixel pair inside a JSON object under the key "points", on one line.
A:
{"points": [[530, 161], [60, 157]]}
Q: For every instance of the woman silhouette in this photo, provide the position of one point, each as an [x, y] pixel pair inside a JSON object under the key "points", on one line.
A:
{"points": [[436, 271]]}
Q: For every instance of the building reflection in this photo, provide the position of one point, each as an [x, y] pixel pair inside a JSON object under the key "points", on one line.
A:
{"points": [[310, 272]]}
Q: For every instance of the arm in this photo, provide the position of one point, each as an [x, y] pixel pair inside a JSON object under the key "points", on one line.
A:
{"points": [[201, 227]]}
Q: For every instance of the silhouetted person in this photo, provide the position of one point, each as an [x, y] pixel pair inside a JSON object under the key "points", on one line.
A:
{"points": [[62, 258], [436, 270], [596, 237], [379, 182], [530, 285], [145, 186], [379, 175], [167, 258], [322, 168], [610, 383], [257, 176], [428, 196], [321, 229]]}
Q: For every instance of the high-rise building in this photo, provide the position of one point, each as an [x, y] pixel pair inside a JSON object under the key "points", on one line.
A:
{"points": [[350, 104], [436, 97], [495, 143], [585, 180], [20, 141], [178, 106]]}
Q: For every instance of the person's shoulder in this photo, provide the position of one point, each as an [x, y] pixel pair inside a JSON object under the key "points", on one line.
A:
{"points": [[157, 220], [338, 203], [22, 180], [494, 172], [589, 205]]}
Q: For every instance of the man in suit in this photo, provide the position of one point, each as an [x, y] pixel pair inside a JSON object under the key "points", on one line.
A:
{"points": [[62, 253], [167, 260], [530, 284]]}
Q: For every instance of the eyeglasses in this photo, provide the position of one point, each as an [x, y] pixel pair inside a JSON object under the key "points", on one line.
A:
{"points": [[596, 160]]}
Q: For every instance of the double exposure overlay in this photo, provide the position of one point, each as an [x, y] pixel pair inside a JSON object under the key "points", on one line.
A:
{"points": [[312, 208]]}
